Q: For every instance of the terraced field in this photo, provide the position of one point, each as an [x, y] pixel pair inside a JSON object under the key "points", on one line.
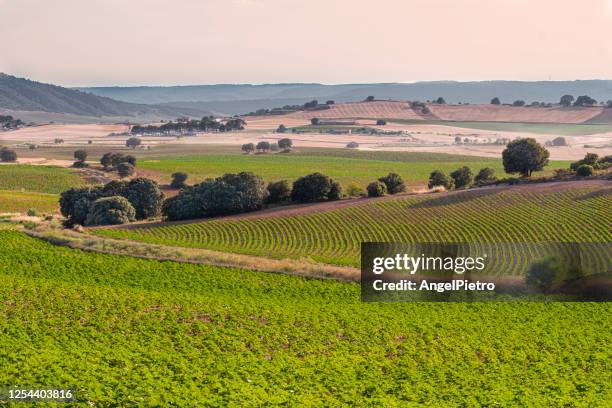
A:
{"points": [[342, 165], [567, 212], [41, 179], [135, 332]]}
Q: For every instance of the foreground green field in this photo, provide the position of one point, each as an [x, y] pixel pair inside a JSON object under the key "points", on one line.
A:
{"points": [[343, 165], [565, 212], [129, 332], [41, 179], [20, 202]]}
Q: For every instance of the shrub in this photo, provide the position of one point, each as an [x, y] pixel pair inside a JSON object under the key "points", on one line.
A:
{"points": [[440, 101], [354, 190], [278, 191], [80, 155], [315, 187], [590, 159], [559, 141], [133, 142], [7, 155], [524, 156], [381, 122], [107, 160], [79, 165], [145, 196], [32, 212], [110, 211], [178, 180], [584, 170], [125, 170], [495, 101], [462, 177], [485, 175], [394, 183], [352, 145], [248, 148], [314, 121], [376, 189], [263, 146], [425, 110], [369, 98], [281, 129], [230, 194], [438, 178], [518, 103], [285, 143]]}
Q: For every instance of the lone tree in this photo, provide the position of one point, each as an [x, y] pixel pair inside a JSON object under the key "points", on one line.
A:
{"points": [[566, 100], [394, 183], [330, 102], [178, 180], [585, 100], [125, 170], [381, 122], [314, 121], [440, 101], [559, 141], [315, 187], [376, 189], [524, 156], [437, 178], [7, 155], [263, 146], [281, 128], [495, 101], [80, 155], [110, 211], [133, 142], [248, 148], [458, 140], [462, 177], [285, 143], [369, 99]]}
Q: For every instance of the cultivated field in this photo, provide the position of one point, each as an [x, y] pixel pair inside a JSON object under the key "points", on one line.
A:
{"points": [[127, 331], [21, 202], [41, 179], [567, 212]]}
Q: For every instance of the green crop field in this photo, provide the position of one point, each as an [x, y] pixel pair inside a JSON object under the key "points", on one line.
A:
{"points": [[134, 332], [41, 179], [20, 202], [344, 166], [334, 236]]}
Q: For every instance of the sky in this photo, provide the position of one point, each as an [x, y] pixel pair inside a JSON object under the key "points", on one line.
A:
{"points": [[179, 42]]}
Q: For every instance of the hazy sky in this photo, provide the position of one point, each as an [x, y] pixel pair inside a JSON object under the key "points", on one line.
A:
{"points": [[126, 42]]}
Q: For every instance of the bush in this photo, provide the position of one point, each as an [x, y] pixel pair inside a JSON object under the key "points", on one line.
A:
{"points": [[263, 146], [462, 177], [178, 180], [248, 148], [112, 160], [32, 212], [278, 191], [438, 178], [584, 170], [590, 159], [559, 141], [524, 156], [495, 101], [7, 155], [106, 160], [285, 143], [80, 155], [381, 122], [353, 190], [281, 129], [352, 145], [425, 110], [369, 99], [315, 187], [110, 211], [145, 196], [230, 194], [394, 183], [485, 175], [125, 170], [376, 189], [79, 165], [133, 142], [314, 121]]}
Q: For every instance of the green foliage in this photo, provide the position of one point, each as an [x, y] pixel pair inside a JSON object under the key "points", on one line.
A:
{"points": [[381, 122], [354, 190], [352, 145], [263, 146], [566, 100], [462, 177], [229, 194], [285, 143], [43, 179], [314, 121], [278, 191], [248, 147], [145, 196], [281, 128], [315, 187], [369, 99], [20, 202], [485, 175], [166, 333], [178, 180], [110, 211], [75, 203], [578, 214], [439, 178], [524, 156], [394, 183], [32, 212], [550, 274], [80, 155], [440, 101], [559, 141], [495, 101], [376, 189], [518, 103], [7, 155], [133, 142], [125, 170], [584, 170], [585, 100]]}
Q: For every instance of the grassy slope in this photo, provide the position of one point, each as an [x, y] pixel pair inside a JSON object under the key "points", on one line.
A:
{"points": [[343, 165], [20, 202], [127, 331], [573, 214], [41, 179]]}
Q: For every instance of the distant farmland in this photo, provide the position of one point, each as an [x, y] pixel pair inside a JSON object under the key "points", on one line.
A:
{"points": [[41, 179], [536, 213]]}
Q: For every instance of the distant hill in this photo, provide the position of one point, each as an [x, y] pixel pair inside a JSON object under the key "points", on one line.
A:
{"points": [[240, 99], [23, 95]]}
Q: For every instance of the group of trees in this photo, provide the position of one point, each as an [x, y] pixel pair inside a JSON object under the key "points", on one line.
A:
{"points": [[312, 105], [7, 155], [584, 100], [462, 177], [117, 202], [184, 125], [284, 144], [591, 162], [7, 122], [124, 164], [557, 142], [392, 183]]}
